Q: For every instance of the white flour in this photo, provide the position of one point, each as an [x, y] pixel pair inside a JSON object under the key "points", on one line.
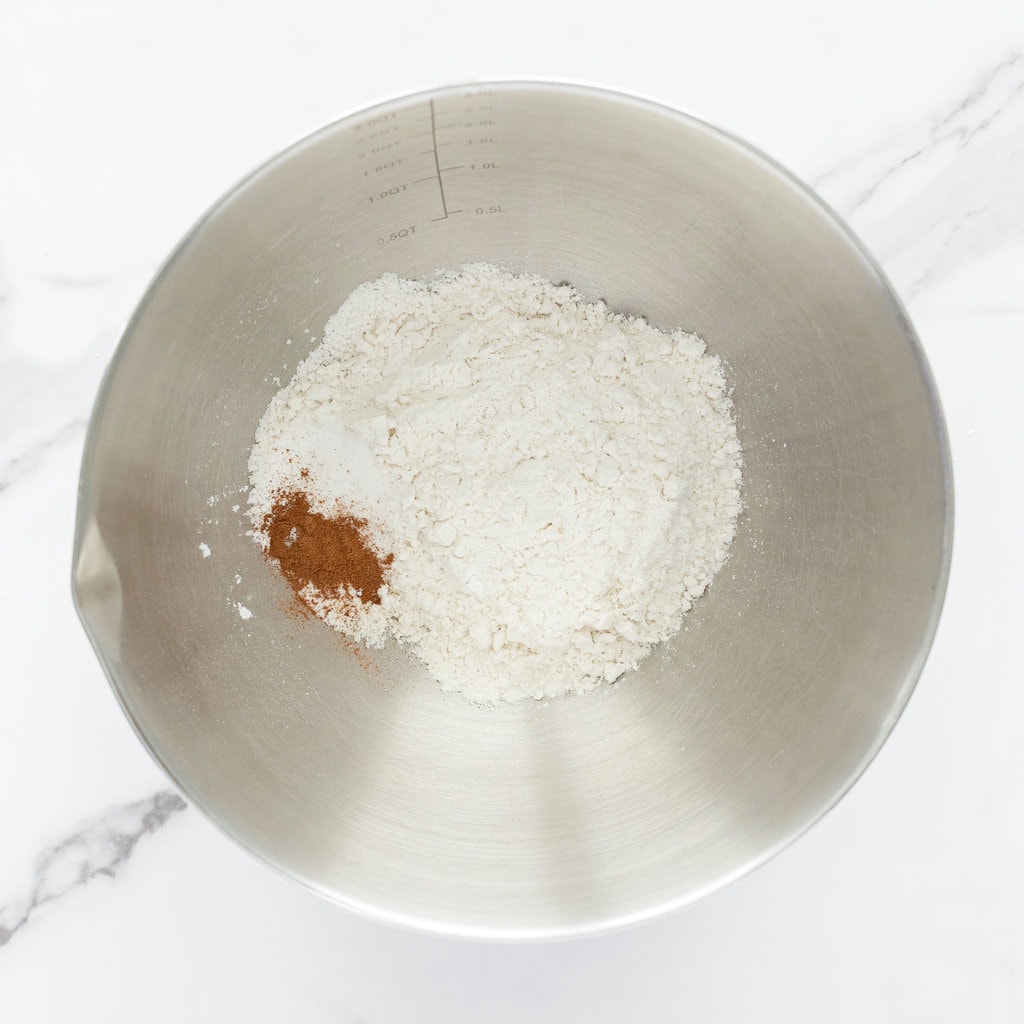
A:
{"points": [[557, 483]]}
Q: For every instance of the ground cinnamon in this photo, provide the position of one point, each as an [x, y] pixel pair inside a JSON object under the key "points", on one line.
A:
{"points": [[330, 553]]}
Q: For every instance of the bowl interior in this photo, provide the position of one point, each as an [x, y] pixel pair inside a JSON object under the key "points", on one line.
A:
{"points": [[351, 771]]}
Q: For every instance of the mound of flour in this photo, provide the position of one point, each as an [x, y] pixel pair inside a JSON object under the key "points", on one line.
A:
{"points": [[557, 483]]}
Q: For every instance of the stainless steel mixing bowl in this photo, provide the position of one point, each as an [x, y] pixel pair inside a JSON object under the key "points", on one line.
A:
{"points": [[353, 773]]}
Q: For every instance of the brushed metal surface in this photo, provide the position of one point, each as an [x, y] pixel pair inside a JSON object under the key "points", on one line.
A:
{"points": [[357, 776]]}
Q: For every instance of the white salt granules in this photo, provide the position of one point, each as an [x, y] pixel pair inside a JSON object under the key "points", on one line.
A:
{"points": [[557, 483]]}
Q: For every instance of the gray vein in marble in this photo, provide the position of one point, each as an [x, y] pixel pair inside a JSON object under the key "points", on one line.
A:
{"points": [[130, 276], [31, 458], [945, 126], [101, 846], [48, 377], [77, 281], [944, 193]]}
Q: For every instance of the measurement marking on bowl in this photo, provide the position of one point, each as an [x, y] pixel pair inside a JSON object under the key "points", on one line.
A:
{"points": [[388, 151], [437, 165]]}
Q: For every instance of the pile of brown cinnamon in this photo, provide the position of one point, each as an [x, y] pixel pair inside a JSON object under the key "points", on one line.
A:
{"points": [[331, 553]]}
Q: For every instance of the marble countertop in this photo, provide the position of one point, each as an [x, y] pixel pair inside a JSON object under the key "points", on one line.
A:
{"points": [[121, 123]]}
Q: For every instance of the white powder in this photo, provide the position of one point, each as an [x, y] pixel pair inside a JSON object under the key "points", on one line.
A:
{"points": [[557, 483]]}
